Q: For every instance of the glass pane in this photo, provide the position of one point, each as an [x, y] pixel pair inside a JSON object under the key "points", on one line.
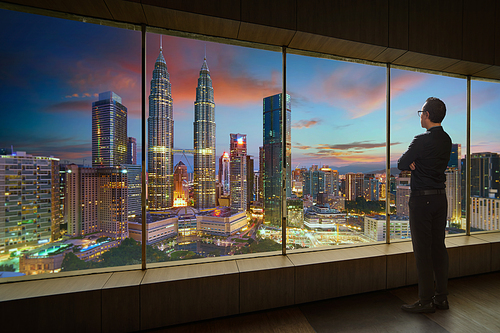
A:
{"points": [[485, 159], [68, 170], [338, 152], [205, 139], [409, 91]]}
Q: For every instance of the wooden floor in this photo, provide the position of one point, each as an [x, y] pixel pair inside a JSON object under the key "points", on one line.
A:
{"points": [[474, 307]]}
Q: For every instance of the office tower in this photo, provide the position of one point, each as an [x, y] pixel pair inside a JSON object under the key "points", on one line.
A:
{"points": [[134, 189], [374, 189], [403, 193], [29, 200], [160, 138], [260, 191], [317, 182], [181, 191], [112, 202], [485, 175], [485, 213], [224, 173], [250, 181], [204, 141], [238, 167], [82, 200], [354, 185], [109, 131], [454, 214], [455, 155], [306, 181], [131, 151], [273, 156], [331, 180]]}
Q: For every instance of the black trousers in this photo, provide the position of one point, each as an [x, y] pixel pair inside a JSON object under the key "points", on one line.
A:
{"points": [[427, 225]]}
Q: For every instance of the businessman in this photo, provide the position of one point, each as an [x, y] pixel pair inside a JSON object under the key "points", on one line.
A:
{"points": [[427, 158]]}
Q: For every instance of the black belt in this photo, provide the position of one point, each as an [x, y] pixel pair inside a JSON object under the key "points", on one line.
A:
{"points": [[428, 192]]}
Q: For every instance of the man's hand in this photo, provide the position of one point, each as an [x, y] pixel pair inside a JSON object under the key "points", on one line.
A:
{"points": [[412, 166]]}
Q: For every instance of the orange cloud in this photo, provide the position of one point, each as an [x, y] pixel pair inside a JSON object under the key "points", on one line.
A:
{"points": [[306, 123]]}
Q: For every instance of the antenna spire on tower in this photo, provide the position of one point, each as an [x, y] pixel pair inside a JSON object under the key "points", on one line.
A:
{"points": [[205, 51], [161, 38]]}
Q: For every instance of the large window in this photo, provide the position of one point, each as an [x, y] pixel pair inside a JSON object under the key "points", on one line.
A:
{"points": [[485, 159], [70, 130], [409, 91], [337, 190]]}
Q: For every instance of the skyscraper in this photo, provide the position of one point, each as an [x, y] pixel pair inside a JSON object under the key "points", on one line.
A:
{"points": [[204, 141], [160, 138], [109, 131], [131, 150], [273, 157], [181, 191], [238, 167], [224, 173]]}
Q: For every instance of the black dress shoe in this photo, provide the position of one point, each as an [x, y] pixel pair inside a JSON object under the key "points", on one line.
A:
{"points": [[441, 305], [419, 307]]}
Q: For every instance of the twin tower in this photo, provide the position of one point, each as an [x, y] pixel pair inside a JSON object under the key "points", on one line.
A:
{"points": [[161, 140]]}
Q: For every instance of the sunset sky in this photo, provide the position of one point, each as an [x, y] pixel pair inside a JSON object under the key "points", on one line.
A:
{"points": [[53, 69]]}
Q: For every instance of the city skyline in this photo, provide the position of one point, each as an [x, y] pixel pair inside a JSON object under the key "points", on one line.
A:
{"points": [[338, 116]]}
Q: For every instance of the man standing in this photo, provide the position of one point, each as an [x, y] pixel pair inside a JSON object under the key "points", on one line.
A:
{"points": [[427, 158]]}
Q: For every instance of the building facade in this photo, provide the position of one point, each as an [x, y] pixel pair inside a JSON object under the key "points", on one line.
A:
{"points": [[238, 173], [109, 131], [160, 138], [272, 168], [204, 141]]}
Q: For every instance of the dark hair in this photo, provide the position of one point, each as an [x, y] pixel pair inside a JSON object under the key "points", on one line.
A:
{"points": [[436, 109]]}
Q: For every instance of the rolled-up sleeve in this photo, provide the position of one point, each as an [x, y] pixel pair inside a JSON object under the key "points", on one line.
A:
{"points": [[410, 156]]}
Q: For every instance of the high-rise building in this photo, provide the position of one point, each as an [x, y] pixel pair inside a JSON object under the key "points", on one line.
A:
{"points": [[29, 200], [181, 190], [453, 195], [131, 150], [260, 190], [109, 131], [250, 181], [455, 155], [272, 140], [224, 173], [160, 138], [485, 213], [112, 202], [82, 200], [204, 141], [134, 189], [354, 185], [485, 175], [331, 180], [238, 167], [403, 193]]}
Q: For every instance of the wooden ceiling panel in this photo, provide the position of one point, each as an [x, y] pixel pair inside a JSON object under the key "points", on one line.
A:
{"points": [[466, 68], [389, 55], [126, 11], [90, 8], [424, 61], [264, 34], [492, 72], [189, 22], [334, 46]]}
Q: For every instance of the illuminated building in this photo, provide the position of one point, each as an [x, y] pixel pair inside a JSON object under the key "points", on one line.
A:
{"points": [[112, 205], [160, 138], [109, 131], [250, 181], [134, 188], [238, 173], [375, 227], [221, 221], [271, 173], [181, 191], [131, 151], [260, 186], [403, 194], [354, 185], [81, 206], [453, 195], [485, 213], [331, 180], [29, 200], [224, 173], [204, 141], [322, 217], [158, 227]]}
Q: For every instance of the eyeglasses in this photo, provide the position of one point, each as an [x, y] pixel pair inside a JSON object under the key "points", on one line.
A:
{"points": [[420, 113]]}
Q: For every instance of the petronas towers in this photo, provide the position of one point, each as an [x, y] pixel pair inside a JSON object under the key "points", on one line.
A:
{"points": [[161, 140]]}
